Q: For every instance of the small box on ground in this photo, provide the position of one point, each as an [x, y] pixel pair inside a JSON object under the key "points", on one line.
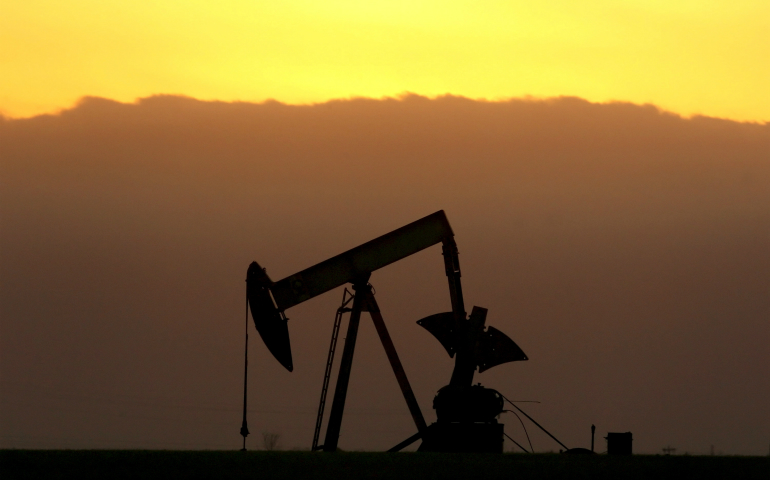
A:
{"points": [[619, 443]]}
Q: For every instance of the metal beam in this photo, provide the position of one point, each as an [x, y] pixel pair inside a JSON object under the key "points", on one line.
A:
{"points": [[395, 363], [341, 389], [465, 360], [406, 442], [362, 260]]}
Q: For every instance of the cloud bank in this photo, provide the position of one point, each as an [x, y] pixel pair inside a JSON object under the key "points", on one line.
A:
{"points": [[625, 249]]}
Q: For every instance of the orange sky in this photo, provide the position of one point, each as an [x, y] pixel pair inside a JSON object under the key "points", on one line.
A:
{"points": [[707, 57]]}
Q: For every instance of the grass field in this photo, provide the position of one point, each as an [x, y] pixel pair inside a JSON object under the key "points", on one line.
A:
{"points": [[142, 464]]}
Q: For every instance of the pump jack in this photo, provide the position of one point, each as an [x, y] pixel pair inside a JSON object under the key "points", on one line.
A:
{"points": [[466, 413]]}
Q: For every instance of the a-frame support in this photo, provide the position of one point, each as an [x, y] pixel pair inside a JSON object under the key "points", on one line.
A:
{"points": [[364, 302]]}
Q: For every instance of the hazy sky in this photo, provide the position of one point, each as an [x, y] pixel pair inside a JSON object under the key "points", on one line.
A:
{"points": [[626, 250], [705, 56], [614, 227]]}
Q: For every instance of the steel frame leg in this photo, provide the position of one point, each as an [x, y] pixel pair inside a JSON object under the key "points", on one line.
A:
{"points": [[341, 389], [395, 363], [347, 297], [364, 301]]}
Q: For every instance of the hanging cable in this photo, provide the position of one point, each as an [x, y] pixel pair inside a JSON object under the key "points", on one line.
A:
{"points": [[244, 425], [517, 443], [531, 448], [533, 421]]}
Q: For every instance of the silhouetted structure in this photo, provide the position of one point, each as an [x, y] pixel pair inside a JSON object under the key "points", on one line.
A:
{"points": [[619, 443], [466, 413]]}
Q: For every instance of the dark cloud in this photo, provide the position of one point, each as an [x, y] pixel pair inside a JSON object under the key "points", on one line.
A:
{"points": [[626, 250]]}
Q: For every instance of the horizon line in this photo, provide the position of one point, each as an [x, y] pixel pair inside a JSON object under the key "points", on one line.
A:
{"points": [[400, 97]]}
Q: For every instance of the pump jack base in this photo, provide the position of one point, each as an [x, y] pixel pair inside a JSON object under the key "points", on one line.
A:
{"points": [[463, 437]]}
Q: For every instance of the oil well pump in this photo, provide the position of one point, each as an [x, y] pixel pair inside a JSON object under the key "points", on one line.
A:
{"points": [[466, 413]]}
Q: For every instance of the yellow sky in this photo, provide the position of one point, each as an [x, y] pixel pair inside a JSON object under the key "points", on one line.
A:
{"points": [[690, 56]]}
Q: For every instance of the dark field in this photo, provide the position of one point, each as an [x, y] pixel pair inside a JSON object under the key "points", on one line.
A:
{"points": [[280, 465]]}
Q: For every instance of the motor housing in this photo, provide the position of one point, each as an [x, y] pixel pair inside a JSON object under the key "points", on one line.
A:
{"points": [[466, 421], [468, 404]]}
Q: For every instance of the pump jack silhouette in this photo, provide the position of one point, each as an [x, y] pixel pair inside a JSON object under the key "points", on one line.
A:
{"points": [[466, 413]]}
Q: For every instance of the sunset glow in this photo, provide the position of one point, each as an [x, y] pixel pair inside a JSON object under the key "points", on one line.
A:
{"points": [[690, 57]]}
